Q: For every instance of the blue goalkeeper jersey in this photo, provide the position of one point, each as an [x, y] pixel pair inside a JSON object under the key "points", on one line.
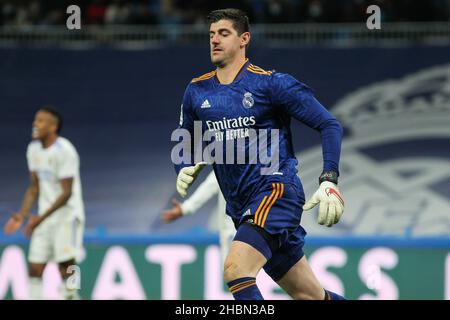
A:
{"points": [[256, 99]]}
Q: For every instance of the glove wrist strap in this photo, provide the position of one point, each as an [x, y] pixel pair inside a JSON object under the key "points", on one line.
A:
{"points": [[330, 176]]}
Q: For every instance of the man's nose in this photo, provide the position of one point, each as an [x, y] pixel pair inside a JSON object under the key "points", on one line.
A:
{"points": [[215, 39]]}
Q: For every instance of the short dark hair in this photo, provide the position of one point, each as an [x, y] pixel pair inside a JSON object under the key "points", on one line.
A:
{"points": [[236, 16], [56, 114]]}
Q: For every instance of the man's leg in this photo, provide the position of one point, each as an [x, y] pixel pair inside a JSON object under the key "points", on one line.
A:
{"points": [[69, 288], [301, 283], [35, 272], [39, 253], [68, 245], [242, 264]]}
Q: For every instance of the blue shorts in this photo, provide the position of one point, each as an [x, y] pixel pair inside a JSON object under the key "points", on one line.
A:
{"points": [[272, 226]]}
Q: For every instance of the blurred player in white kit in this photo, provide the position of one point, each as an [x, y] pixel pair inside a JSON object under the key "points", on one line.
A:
{"points": [[57, 231], [205, 191]]}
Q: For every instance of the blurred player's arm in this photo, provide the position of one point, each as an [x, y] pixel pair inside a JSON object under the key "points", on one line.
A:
{"points": [[30, 197], [205, 191], [298, 101], [15, 221], [67, 169], [187, 172], [64, 196]]}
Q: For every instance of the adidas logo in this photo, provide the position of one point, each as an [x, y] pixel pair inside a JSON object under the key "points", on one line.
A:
{"points": [[205, 104]]}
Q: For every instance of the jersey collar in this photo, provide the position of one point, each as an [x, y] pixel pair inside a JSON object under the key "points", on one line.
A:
{"points": [[238, 75]]}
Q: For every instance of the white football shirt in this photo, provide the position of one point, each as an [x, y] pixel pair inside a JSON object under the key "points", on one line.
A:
{"points": [[58, 161]]}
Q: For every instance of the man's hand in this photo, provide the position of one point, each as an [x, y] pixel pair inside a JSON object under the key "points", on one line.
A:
{"points": [[331, 205], [13, 224], [33, 222], [186, 177], [173, 213]]}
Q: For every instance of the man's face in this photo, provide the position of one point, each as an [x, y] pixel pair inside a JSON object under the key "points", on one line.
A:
{"points": [[224, 42], [44, 124]]}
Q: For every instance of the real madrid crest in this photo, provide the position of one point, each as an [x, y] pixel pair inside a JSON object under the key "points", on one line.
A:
{"points": [[248, 101]]}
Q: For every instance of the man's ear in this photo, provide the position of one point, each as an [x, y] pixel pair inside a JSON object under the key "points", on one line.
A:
{"points": [[245, 39], [55, 127]]}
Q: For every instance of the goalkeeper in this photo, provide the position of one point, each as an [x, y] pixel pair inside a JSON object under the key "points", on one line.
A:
{"points": [[265, 202]]}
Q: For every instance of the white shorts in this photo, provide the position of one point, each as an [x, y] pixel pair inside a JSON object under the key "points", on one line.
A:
{"points": [[56, 240]]}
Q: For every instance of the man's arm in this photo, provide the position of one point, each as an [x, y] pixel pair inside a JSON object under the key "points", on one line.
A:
{"points": [[31, 196], [66, 193], [187, 118], [205, 191], [297, 100], [67, 167], [186, 171], [202, 194], [29, 199]]}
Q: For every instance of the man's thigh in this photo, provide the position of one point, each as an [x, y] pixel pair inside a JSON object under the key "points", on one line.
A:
{"points": [[67, 240], [301, 283], [40, 250]]}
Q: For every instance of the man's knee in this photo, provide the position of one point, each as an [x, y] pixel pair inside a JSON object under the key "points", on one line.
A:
{"points": [[234, 269], [242, 260], [36, 270], [64, 267], [231, 270]]}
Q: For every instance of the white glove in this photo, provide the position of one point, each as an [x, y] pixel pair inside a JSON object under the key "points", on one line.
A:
{"points": [[186, 177], [331, 205]]}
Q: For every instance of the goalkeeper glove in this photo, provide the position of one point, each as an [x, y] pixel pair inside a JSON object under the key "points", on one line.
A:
{"points": [[331, 205], [186, 177]]}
